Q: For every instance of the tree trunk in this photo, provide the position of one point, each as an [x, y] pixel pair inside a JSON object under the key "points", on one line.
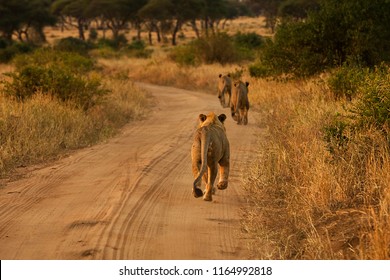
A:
{"points": [[175, 30], [80, 27], [195, 28]]}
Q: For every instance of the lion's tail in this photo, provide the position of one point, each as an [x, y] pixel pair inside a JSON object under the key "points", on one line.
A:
{"points": [[205, 142]]}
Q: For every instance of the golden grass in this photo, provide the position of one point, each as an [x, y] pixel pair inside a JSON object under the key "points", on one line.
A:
{"points": [[43, 128], [312, 205], [161, 71]]}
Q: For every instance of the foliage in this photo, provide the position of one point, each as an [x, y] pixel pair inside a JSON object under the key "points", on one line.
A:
{"points": [[59, 74], [373, 105], [339, 31], [114, 43], [17, 16], [370, 111], [218, 48], [71, 44], [345, 80], [11, 50]]}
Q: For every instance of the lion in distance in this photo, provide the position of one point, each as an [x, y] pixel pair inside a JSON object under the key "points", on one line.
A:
{"points": [[224, 90], [210, 153], [239, 104]]}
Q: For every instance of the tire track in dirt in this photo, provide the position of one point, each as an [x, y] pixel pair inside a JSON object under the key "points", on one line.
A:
{"points": [[131, 197]]}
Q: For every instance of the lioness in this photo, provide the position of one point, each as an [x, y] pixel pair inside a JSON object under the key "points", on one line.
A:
{"points": [[239, 104], [224, 89], [210, 150]]}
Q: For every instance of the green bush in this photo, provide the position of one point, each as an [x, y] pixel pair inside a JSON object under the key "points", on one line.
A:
{"points": [[48, 57], [369, 112], [345, 81], [338, 32], [71, 44], [259, 70], [138, 49], [293, 51], [10, 51], [116, 43], [60, 74], [373, 105], [249, 40], [93, 35], [217, 48], [184, 55], [335, 135]]}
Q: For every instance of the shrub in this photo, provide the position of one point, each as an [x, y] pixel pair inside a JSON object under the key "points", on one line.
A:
{"points": [[339, 31], [10, 51], [249, 40], [292, 51], [71, 44], [115, 43], [373, 105], [58, 74], [49, 57], [93, 35], [217, 48], [369, 112], [184, 55], [259, 70], [345, 81], [138, 49]]}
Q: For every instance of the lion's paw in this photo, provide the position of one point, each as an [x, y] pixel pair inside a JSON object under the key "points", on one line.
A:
{"points": [[197, 192], [222, 185]]}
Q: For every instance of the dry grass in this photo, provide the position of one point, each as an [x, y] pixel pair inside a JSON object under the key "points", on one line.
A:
{"points": [[311, 205], [160, 70], [43, 128]]}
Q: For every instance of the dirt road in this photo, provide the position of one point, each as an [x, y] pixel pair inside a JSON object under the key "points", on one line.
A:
{"points": [[131, 198]]}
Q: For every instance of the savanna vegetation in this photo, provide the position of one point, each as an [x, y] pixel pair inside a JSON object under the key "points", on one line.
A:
{"points": [[319, 78]]}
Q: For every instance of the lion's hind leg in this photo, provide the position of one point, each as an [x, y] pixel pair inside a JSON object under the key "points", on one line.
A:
{"points": [[197, 192], [224, 166], [213, 171]]}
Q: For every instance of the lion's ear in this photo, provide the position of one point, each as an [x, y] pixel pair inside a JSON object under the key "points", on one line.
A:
{"points": [[222, 118], [202, 117], [247, 84], [220, 75]]}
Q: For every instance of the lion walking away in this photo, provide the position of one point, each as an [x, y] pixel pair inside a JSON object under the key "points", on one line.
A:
{"points": [[210, 153], [239, 104], [224, 90]]}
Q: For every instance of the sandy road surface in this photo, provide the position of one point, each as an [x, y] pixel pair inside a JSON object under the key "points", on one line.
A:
{"points": [[131, 198]]}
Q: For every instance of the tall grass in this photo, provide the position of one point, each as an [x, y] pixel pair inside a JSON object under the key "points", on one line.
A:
{"points": [[43, 127], [305, 202], [167, 73]]}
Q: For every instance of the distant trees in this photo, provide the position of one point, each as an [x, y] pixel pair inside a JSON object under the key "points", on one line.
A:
{"points": [[273, 10], [70, 10], [24, 18], [160, 16], [337, 32]]}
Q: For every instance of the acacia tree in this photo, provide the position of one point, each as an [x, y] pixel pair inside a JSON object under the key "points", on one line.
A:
{"points": [[153, 14], [348, 31], [73, 9], [169, 13], [21, 16], [212, 12], [117, 14]]}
